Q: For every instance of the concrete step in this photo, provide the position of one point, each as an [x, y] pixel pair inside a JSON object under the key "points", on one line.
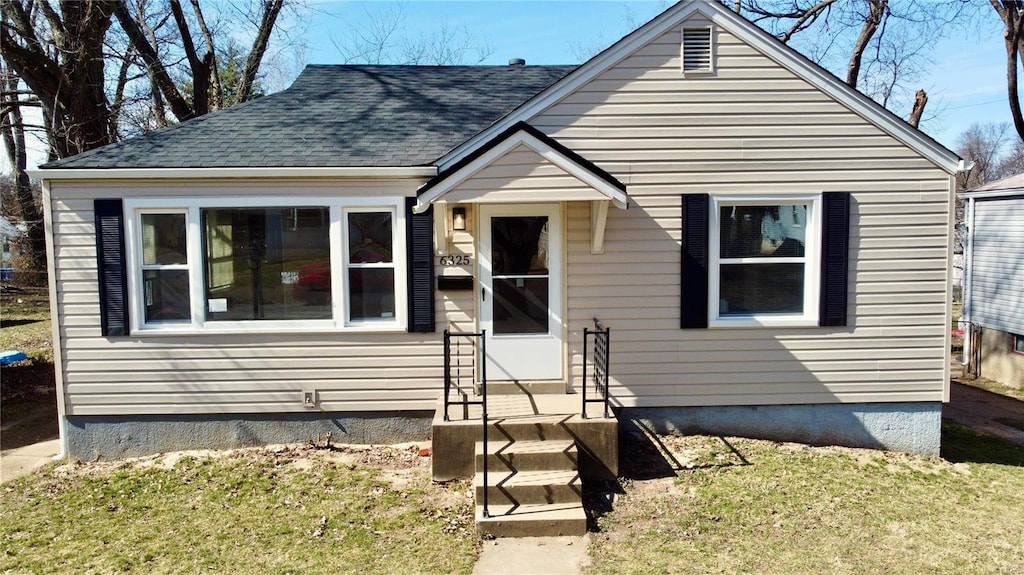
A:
{"points": [[530, 428], [529, 487], [553, 455], [544, 520], [524, 387]]}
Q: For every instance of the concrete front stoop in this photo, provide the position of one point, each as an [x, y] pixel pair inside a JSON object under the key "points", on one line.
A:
{"points": [[539, 453]]}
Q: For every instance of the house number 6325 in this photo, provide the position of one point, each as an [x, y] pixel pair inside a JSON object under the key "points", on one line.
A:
{"points": [[455, 260]]}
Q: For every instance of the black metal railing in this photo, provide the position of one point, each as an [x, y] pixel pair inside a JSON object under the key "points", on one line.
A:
{"points": [[601, 337], [477, 373]]}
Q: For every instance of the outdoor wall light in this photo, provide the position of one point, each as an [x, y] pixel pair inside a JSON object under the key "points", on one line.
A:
{"points": [[459, 219]]}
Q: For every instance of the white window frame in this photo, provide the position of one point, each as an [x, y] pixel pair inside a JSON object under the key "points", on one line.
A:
{"points": [[811, 261], [191, 207], [142, 267], [348, 265]]}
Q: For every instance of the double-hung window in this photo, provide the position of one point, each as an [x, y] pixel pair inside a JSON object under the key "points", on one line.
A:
{"points": [[262, 264], [764, 255]]}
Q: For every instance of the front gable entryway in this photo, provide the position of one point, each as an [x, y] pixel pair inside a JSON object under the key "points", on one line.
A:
{"points": [[519, 185]]}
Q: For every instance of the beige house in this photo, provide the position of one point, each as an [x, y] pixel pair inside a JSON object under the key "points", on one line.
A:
{"points": [[770, 249]]}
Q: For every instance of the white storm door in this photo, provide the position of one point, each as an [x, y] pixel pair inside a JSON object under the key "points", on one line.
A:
{"points": [[521, 290]]}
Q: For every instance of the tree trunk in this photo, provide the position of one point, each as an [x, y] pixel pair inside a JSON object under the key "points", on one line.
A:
{"points": [[33, 245], [1009, 12], [876, 12], [271, 8], [920, 101]]}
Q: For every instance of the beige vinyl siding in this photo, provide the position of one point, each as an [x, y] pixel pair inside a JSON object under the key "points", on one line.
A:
{"points": [[522, 175], [753, 127], [243, 373], [997, 264]]}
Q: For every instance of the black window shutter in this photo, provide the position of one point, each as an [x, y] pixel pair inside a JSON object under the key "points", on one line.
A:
{"points": [[693, 310], [420, 238], [835, 245], [110, 264]]}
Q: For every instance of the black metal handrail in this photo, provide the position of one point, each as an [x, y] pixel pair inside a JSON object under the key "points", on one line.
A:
{"points": [[478, 361], [602, 347]]}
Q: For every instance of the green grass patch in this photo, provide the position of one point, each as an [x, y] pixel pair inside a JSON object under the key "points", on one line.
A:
{"points": [[785, 508], [250, 511], [25, 323]]}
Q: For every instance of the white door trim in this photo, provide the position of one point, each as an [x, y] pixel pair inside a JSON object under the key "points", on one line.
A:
{"points": [[525, 357]]}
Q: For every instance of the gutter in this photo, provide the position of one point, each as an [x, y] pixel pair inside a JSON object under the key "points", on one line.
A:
{"points": [[232, 173]]}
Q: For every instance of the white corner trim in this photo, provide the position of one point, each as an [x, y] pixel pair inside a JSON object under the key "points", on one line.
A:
{"points": [[211, 173], [745, 31], [437, 193]]}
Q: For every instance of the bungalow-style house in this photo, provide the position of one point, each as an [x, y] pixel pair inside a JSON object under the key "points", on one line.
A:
{"points": [[768, 248], [993, 300]]}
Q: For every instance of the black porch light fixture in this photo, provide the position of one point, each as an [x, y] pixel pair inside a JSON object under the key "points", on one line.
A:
{"points": [[459, 219]]}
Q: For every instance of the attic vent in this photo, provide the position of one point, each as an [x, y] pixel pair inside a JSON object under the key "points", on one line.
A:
{"points": [[697, 49]]}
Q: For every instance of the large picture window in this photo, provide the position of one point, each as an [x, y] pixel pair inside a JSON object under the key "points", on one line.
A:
{"points": [[764, 261], [236, 265]]}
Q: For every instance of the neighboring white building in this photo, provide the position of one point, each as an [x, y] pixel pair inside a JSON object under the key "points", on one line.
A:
{"points": [[994, 283]]}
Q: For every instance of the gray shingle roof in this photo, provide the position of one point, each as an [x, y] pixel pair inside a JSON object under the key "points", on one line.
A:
{"points": [[338, 116]]}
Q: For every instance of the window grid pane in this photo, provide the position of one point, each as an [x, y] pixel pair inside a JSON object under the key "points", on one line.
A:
{"points": [[370, 266]]}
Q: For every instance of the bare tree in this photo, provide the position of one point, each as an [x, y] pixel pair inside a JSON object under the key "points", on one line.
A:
{"points": [[386, 40], [882, 47], [58, 53], [28, 210], [1010, 12], [983, 146]]}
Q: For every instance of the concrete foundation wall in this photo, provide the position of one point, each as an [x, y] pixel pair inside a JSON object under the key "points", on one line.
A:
{"points": [[91, 438], [909, 427], [998, 360]]}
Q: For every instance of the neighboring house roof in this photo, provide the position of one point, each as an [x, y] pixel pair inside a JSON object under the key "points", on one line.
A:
{"points": [[1012, 186], [745, 30], [337, 116], [9, 230]]}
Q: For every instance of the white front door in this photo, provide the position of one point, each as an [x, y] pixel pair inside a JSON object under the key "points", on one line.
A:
{"points": [[521, 291]]}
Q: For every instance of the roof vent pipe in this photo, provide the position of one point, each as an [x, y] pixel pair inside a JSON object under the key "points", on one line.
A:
{"points": [[517, 62]]}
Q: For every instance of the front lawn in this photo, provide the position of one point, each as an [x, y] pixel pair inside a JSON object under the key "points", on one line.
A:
{"points": [[283, 510], [745, 506]]}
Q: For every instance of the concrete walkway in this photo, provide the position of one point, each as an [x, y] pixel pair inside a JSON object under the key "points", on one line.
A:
{"points": [[982, 410], [533, 555], [21, 461]]}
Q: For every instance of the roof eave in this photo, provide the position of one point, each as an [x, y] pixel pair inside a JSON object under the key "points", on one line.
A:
{"points": [[234, 173]]}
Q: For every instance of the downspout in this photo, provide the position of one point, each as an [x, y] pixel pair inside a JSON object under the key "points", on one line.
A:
{"points": [[965, 312]]}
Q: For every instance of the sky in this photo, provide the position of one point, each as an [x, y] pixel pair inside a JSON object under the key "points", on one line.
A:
{"points": [[966, 81]]}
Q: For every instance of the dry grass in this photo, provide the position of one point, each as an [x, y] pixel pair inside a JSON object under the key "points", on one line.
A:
{"points": [[785, 508], [25, 323], [275, 510]]}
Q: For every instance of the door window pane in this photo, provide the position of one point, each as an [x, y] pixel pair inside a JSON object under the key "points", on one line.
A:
{"points": [[371, 293], [163, 239], [519, 245], [763, 231], [520, 305], [761, 288], [166, 295], [267, 263]]}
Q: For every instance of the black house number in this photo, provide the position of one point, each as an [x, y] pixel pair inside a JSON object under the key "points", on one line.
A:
{"points": [[455, 260]]}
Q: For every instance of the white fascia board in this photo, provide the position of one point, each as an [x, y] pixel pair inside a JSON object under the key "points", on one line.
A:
{"points": [[233, 173], [613, 193], [992, 194], [753, 36]]}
